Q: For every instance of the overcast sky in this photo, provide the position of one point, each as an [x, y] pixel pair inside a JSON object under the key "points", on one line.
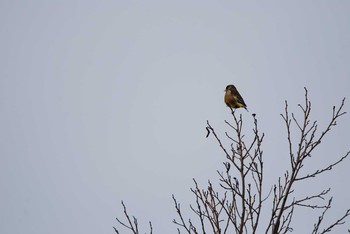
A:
{"points": [[103, 101]]}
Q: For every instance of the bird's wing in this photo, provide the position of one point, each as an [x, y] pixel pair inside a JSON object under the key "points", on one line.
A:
{"points": [[239, 99]]}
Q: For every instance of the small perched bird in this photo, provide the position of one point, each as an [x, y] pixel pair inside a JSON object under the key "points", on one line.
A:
{"points": [[233, 99]]}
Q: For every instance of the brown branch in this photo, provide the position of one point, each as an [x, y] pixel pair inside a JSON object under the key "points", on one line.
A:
{"points": [[301, 202], [306, 144], [131, 225], [217, 139], [320, 219], [328, 168], [178, 210]]}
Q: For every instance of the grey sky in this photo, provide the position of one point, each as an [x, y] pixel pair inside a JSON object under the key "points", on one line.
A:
{"points": [[103, 101]]}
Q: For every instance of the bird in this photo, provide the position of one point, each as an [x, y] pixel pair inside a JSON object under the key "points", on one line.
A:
{"points": [[233, 99]]}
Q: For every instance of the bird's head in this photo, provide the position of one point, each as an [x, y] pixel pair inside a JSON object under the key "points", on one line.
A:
{"points": [[230, 87]]}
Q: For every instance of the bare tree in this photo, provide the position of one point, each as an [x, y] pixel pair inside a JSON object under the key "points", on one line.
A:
{"points": [[235, 203], [238, 207]]}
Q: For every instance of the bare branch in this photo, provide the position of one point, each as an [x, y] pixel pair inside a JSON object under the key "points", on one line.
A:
{"points": [[328, 168], [178, 210], [307, 142], [131, 225]]}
